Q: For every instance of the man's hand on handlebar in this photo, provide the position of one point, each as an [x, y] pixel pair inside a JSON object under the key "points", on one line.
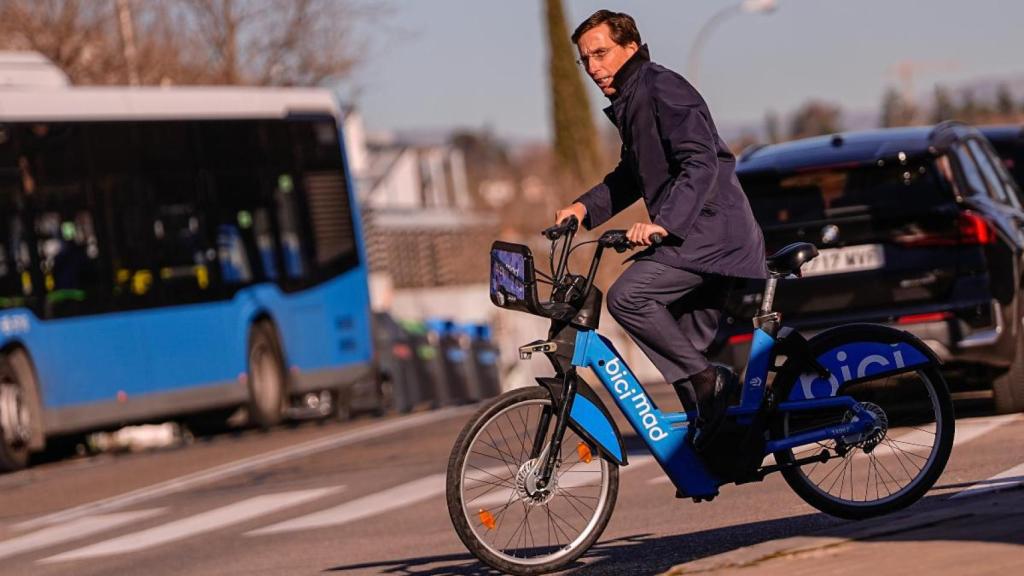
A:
{"points": [[640, 233], [577, 209]]}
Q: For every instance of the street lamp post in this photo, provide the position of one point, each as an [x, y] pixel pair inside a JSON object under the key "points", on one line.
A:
{"points": [[749, 6]]}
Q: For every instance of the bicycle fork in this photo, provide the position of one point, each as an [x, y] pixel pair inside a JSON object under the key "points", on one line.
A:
{"points": [[545, 454]]}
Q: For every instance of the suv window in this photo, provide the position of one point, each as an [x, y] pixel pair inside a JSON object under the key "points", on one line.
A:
{"points": [[972, 173], [1003, 167], [796, 197], [997, 187]]}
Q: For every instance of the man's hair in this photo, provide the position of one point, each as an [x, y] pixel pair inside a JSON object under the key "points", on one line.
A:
{"points": [[622, 26]]}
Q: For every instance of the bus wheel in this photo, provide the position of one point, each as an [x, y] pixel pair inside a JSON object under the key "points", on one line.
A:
{"points": [[15, 417], [266, 377]]}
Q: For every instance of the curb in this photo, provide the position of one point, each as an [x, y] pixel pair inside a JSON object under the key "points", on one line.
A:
{"points": [[862, 530]]}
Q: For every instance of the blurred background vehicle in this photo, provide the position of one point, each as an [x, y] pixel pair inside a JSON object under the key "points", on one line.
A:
{"points": [[920, 228], [174, 253]]}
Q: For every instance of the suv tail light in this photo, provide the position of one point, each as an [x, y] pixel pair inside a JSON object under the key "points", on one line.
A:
{"points": [[971, 230], [974, 229], [924, 318], [741, 338]]}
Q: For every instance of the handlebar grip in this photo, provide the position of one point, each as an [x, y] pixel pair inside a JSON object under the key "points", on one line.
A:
{"points": [[656, 239], [570, 224]]}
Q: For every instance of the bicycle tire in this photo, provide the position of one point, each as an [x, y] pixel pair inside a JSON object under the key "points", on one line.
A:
{"points": [[462, 516], [934, 463]]}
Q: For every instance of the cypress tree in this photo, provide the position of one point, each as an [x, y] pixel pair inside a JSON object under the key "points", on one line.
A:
{"points": [[895, 110], [576, 143], [944, 108], [1005, 106]]}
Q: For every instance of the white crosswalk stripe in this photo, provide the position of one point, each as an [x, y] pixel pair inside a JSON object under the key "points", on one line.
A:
{"points": [[194, 525], [73, 530], [1005, 479], [372, 505]]}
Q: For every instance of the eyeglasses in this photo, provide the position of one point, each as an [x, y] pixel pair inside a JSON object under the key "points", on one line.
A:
{"points": [[597, 55]]}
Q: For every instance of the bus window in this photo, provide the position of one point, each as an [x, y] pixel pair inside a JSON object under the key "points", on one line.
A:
{"points": [[16, 287], [66, 245], [325, 185], [184, 255], [68, 254], [292, 246], [13, 291], [234, 200], [265, 242], [234, 261]]}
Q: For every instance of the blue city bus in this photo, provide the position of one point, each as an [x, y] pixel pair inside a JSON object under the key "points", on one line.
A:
{"points": [[173, 254]]}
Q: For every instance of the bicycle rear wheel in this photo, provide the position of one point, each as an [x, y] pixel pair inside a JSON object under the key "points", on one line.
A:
{"points": [[495, 507], [882, 471]]}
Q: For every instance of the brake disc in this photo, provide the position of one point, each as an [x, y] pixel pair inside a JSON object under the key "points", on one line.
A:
{"points": [[526, 484]]}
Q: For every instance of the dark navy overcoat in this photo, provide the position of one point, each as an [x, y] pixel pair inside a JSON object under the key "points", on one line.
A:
{"points": [[673, 158]]}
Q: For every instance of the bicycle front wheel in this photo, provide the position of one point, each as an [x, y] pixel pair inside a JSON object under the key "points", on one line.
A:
{"points": [[886, 469], [498, 511]]}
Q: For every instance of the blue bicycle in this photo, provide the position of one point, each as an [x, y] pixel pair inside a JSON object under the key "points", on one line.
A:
{"points": [[858, 419]]}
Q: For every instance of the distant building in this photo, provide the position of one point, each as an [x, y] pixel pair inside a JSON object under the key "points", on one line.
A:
{"points": [[423, 228]]}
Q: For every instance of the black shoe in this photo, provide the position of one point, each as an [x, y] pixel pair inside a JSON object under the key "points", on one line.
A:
{"points": [[713, 408], [687, 397]]}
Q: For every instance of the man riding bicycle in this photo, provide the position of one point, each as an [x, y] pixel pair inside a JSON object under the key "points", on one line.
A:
{"points": [[670, 299]]}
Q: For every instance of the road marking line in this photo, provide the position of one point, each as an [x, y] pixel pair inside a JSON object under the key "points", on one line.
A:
{"points": [[378, 503], [966, 430], [1005, 479], [244, 465], [194, 525], [72, 530]]}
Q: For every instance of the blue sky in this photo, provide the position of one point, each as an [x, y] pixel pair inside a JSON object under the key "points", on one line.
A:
{"points": [[438, 64]]}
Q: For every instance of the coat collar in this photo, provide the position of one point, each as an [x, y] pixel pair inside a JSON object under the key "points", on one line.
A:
{"points": [[625, 76], [624, 81]]}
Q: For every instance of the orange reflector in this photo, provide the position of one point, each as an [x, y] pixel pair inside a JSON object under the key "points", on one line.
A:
{"points": [[584, 451], [487, 519]]}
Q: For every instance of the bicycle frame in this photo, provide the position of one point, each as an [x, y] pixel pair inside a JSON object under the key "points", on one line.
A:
{"points": [[665, 433]]}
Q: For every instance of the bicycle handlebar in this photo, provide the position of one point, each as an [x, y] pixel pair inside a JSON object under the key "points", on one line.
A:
{"points": [[568, 226], [611, 239], [618, 240], [577, 288]]}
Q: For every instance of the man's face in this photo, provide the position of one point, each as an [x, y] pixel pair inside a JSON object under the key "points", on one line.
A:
{"points": [[602, 57]]}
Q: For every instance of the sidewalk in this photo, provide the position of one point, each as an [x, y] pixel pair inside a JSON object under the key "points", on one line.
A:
{"points": [[979, 534]]}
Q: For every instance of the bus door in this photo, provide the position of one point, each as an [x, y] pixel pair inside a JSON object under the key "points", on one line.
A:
{"points": [[85, 352], [188, 334]]}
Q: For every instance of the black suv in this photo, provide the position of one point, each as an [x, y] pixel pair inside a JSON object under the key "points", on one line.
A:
{"points": [[920, 228]]}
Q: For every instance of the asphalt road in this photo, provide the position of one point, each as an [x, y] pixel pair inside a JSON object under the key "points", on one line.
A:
{"points": [[366, 497]]}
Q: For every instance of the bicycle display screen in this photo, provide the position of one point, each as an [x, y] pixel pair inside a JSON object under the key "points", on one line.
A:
{"points": [[512, 277]]}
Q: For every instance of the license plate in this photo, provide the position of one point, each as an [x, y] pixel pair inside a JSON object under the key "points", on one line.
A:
{"points": [[845, 260]]}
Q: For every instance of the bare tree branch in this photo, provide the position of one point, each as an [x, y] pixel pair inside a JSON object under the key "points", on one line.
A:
{"points": [[252, 42]]}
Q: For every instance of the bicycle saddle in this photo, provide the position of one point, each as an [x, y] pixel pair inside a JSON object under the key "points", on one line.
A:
{"points": [[789, 259]]}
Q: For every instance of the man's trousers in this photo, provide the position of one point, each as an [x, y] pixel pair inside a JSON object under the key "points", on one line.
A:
{"points": [[672, 314]]}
